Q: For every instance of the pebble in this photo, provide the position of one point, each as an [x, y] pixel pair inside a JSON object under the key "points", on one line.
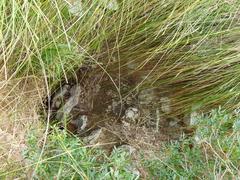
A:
{"points": [[70, 103], [93, 137], [60, 96], [83, 120], [132, 113]]}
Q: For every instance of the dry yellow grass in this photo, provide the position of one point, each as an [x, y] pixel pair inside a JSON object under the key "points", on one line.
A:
{"points": [[19, 101]]}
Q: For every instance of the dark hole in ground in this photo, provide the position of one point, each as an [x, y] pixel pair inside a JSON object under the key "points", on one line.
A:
{"points": [[91, 107]]}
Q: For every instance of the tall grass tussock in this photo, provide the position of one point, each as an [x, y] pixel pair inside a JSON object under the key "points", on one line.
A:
{"points": [[188, 49]]}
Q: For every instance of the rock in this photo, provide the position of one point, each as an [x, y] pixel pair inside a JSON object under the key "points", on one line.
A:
{"points": [[102, 136], [73, 100], [60, 96], [132, 114], [84, 120], [79, 124], [94, 137]]}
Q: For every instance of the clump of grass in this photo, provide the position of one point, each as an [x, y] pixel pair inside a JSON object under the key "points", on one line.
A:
{"points": [[189, 45], [188, 49], [42, 38], [66, 157], [212, 153]]}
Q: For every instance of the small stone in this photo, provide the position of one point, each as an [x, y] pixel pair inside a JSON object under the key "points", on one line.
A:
{"points": [[59, 96], [174, 121], [83, 120], [116, 107], [237, 111], [132, 65], [93, 137], [132, 113], [109, 93], [70, 103], [78, 125], [134, 171], [97, 88], [236, 125]]}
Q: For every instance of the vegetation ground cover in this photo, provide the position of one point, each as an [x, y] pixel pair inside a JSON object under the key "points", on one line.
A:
{"points": [[190, 49]]}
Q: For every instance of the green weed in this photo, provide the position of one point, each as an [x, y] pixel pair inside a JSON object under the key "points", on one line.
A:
{"points": [[66, 157], [212, 153], [189, 49]]}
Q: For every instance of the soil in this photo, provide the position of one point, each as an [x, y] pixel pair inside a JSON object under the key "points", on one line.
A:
{"points": [[102, 110]]}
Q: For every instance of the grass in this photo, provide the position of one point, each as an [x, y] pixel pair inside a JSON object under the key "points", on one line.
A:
{"points": [[187, 45], [188, 49], [66, 157], [213, 153]]}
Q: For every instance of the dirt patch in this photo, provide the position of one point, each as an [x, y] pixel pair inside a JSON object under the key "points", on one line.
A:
{"points": [[104, 110]]}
